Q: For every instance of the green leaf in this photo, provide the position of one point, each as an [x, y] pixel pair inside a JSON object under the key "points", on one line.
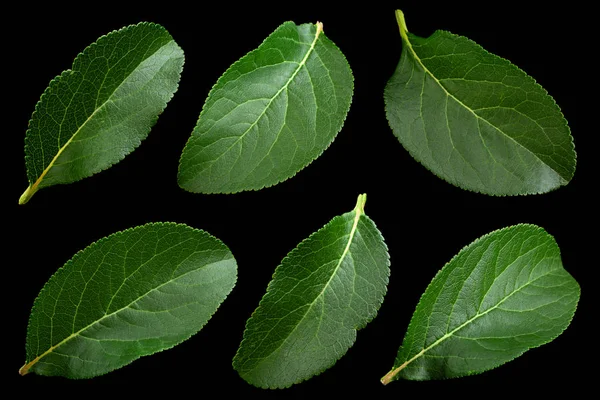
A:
{"points": [[271, 114], [91, 116], [128, 295], [476, 120], [325, 289], [501, 295]]}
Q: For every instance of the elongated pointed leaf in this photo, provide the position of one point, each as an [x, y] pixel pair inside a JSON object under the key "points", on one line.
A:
{"points": [[93, 115], [501, 295], [128, 295], [272, 113], [476, 120], [326, 289]]}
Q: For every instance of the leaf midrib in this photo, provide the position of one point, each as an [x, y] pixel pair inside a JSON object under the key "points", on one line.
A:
{"points": [[404, 35], [358, 214], [25, 368], [34, 187]]}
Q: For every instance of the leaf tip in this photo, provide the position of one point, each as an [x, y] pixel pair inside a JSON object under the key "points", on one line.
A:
{"points": [[27, 194]]}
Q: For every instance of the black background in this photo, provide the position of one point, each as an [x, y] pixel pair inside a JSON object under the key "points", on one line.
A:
{"points": [[424, 220]]}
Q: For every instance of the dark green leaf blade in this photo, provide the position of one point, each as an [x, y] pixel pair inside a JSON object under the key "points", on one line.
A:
{"points": [[91, 116], [130, 294], [326, 289], [271, 114], [476, 120], [503, 294]]}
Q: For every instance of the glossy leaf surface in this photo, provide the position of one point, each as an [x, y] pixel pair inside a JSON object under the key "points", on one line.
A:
{"points": [[476, 120]]}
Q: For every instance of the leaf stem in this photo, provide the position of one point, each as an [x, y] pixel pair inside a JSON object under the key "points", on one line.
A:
{"points": [[27, 194], [402, 24], [24, 370], [389, 376], [360, 204], [319, 28]]}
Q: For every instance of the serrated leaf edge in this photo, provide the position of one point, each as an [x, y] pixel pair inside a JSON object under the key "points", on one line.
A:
{"points": [[25, 368], [392, 374], [403, 34], [323, 37], [34, 186], [359, 210]]}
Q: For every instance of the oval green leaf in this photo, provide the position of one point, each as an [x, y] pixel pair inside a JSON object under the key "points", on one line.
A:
{"points": [[271, 114], [503, 294], [130, 294], [326, 289], [91, 116], [476, 120]]}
